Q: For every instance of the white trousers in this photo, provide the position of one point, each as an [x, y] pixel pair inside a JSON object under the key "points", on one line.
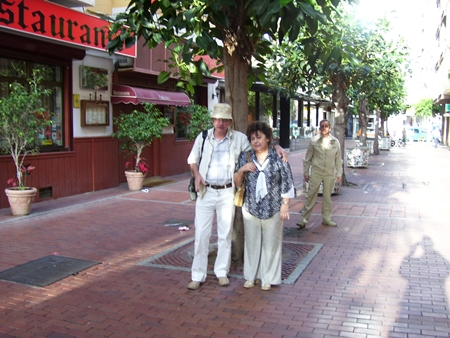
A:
{"points": [[263, 248], [219, 202]]}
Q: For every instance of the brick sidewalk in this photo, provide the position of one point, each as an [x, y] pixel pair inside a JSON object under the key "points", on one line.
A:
{"points": [[381, 273]]}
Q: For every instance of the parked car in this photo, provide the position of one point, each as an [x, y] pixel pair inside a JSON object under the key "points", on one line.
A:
{"points": [[416, 134]]}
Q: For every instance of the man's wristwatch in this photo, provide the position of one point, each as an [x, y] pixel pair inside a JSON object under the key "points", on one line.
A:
{"points": [[284, 202]]}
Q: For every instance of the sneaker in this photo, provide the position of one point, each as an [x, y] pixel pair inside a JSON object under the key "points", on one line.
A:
{"points": [[223, 281], [329, 223], [193, 285], [266, 287], [248, 284], [302, 224]]}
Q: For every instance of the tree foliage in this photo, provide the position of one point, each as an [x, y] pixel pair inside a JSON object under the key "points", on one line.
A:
{"points": [[236, 33], [345, 61], [426, 108], [384, 86], [325, 63]]}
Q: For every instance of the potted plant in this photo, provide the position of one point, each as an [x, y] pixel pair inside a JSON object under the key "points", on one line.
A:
{"points": [[22, 118], [137, 130]]}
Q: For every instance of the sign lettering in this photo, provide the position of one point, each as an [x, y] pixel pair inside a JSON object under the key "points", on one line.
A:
{"points": [[45, 19]]}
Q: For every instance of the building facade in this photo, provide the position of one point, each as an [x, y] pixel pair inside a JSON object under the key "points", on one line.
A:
{"points": [[441, 62], [90, 88]]}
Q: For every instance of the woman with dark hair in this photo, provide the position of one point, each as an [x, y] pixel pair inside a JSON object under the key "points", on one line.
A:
{"points": [[269, 186]]}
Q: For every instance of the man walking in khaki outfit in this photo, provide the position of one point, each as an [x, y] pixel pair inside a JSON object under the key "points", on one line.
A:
{"points": [[323, 157]]}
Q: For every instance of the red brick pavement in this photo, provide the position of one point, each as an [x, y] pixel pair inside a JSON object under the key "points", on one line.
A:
{"points": [[381, 273]]}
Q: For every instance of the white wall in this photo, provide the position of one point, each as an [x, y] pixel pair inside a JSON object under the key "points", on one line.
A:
{"points": [[212, 90], [98, 60]]}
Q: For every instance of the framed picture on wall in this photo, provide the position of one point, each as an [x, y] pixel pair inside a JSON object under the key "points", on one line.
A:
{"points": [[93, 78], [94, 113]]}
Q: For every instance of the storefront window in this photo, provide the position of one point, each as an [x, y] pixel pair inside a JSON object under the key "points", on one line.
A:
{"points": [[12, 70], [50, 73]]}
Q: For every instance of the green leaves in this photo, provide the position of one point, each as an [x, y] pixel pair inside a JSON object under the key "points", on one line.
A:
{"points": [[200, 119], [237, 26], [207, 43], [163, 77], [426, 108], [138, 129]]}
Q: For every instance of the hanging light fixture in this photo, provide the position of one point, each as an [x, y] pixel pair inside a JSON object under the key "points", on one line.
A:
{"points": [[217, 94]]}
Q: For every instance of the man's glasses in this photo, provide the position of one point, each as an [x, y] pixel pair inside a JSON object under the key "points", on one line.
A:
{"points": [[323, 126]]}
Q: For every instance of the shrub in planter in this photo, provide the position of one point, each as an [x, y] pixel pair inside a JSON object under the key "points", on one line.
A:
{"points": [[22, 117], [137, 130]]}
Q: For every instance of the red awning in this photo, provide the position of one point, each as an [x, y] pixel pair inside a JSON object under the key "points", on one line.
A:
{"points": [[135, 95]]}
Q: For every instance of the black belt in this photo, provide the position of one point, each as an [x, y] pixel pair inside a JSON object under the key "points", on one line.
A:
{"points": [[229, 185]]}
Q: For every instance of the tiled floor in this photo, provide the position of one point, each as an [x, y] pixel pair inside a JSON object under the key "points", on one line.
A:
{"points": [[383, 272]]}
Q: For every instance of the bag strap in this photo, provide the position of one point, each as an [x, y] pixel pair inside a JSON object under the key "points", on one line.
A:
{"points": [[204, 134], [249, 161]]}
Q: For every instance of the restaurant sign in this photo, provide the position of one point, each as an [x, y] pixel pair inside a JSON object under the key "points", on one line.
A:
{"points": [[48, 20]]}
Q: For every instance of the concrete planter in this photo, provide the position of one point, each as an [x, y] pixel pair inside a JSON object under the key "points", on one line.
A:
{"points": [[385, 143], [357, 157]]}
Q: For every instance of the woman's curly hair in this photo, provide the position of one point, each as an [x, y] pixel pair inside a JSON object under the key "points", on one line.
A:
{"points": [[262, 127]]}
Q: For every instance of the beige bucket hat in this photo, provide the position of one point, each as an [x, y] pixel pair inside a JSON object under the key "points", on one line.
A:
{"points": [[222, 111]]}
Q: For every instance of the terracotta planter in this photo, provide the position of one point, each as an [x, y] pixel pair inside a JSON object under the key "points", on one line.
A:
{"points": [[20, 200], [135, 180]]}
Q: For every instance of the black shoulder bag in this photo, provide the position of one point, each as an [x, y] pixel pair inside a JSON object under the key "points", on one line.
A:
{"points": [[191, 187]]}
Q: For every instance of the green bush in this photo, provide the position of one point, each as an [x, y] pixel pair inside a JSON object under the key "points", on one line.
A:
{"points": [[138, 129], [199, 119]]}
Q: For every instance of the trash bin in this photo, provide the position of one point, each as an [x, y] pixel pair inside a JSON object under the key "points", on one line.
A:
{"points": [[357, 157]]}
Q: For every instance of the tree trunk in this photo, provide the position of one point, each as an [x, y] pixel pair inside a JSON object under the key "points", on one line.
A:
{"points": [[362, 110], [237, 240], [236, 95], [340, 102], [376, 147], [384, 130]]}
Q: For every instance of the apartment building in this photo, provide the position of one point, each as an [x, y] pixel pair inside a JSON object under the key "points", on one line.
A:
{"points": [[440, 83]]}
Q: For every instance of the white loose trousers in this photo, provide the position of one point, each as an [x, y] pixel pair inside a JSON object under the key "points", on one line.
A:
{"points": [[219, 202], [263, 248]]}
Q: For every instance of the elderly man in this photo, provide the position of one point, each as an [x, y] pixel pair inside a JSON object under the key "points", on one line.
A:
{"points": [[323, 157], [213, 170]]}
